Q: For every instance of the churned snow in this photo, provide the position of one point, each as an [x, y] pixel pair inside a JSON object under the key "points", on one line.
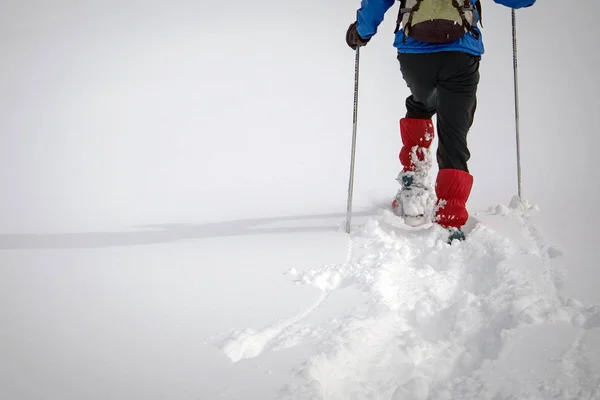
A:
{"points": [[481, 319]]}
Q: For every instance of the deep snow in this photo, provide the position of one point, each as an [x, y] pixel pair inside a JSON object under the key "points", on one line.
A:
{"points": [[481, 319]]}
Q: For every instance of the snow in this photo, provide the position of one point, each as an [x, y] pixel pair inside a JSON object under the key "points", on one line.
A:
{"points": [[389, 311], [174, 179], [438, 321]]}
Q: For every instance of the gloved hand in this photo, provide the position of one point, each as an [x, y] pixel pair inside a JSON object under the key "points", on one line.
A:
{"points": [[353, 39]]}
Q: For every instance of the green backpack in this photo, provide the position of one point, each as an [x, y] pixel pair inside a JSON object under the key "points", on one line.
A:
{"points": [[437, 21]]}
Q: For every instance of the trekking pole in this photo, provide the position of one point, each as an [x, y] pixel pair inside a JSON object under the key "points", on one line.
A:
{"points": [[516, 82], [353, 154]]}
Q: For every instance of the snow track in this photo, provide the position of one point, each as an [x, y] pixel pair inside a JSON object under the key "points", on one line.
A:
{"points": [[440, 321]]}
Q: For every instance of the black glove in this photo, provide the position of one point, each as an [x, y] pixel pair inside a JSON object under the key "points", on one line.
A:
{"points": [[353, 39]]}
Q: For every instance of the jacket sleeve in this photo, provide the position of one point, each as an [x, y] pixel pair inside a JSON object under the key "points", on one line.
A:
{"points": [[516, 3], [370, 15]]}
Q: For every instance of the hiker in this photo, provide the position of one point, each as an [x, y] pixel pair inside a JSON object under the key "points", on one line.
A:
{"points": [[439, 48]]}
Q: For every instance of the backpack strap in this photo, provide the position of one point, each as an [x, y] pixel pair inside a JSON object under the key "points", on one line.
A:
{"points": [[478, 7], [461, 11], [411, 12], [403, 10]]}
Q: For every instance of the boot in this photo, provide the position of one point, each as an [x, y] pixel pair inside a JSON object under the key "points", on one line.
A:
{"points": [[415, 199], [453, 188]]}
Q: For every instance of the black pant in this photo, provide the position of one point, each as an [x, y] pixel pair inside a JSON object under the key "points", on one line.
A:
{"points": [[444, 83]]}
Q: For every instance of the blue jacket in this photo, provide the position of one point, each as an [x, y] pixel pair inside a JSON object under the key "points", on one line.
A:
{"points": [[371, 13]]}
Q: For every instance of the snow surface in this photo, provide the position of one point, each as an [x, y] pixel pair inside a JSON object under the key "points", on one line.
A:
{"points": [[438, 321], [389, 312]]}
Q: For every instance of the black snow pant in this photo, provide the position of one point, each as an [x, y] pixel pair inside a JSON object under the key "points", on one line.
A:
{"points": [[444, 83]]}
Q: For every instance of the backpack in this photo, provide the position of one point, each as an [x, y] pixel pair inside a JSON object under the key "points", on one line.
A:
{"points": [[437, 21]]}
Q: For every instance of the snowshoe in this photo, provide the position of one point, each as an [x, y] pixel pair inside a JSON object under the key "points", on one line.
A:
{"points": [[456, 234], [415, 201]]}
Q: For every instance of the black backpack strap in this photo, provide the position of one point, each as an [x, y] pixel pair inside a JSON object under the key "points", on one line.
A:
{"points": [[478, 7], [401, 12]]}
